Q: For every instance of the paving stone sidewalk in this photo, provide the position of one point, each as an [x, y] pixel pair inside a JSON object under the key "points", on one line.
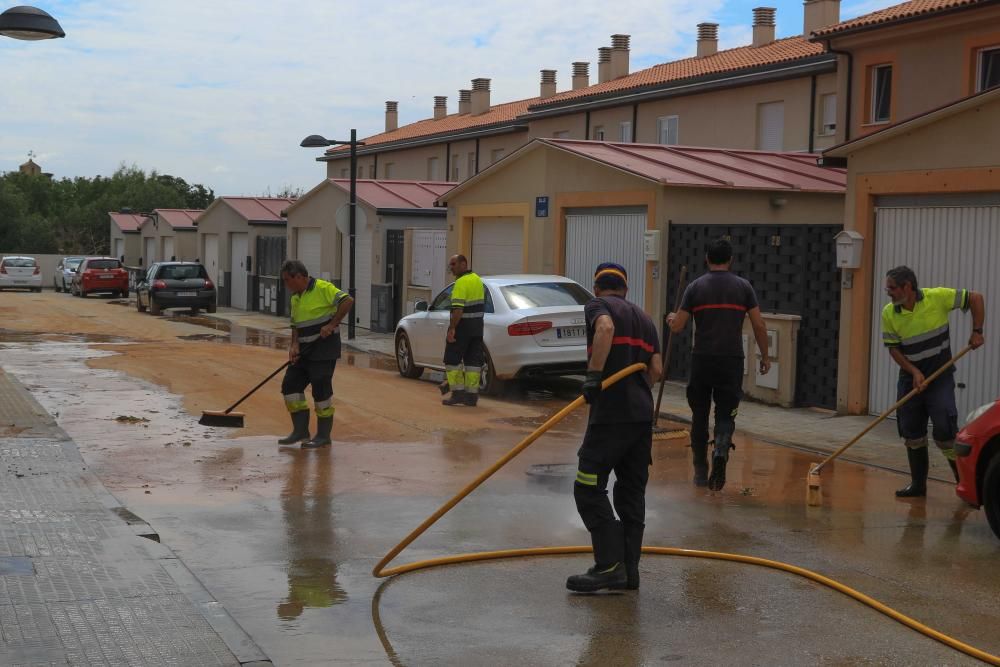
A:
{"points": [[79, 584]]}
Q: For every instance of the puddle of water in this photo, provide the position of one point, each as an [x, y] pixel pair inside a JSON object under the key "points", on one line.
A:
{"points": [[370, 360], [238, 334], [10, 336]]}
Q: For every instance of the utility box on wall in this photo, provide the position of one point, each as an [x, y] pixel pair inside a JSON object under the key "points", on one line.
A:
{"points": [[778, 386]]}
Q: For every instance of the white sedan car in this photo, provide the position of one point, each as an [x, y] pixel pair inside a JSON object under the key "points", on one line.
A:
{"points": [[534, 326], [20, 272]]}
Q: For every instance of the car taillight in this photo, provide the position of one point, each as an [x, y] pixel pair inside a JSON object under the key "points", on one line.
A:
{"points": [[528, 328], [208, 284], [37, 270], [159, 284]]}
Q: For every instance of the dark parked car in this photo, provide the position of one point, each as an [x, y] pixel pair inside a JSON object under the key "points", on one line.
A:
{"points": [[978, 449], [175, 285], [100, 274]]}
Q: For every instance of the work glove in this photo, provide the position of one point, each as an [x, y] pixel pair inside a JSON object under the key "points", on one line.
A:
{"points": [[592, 386]]}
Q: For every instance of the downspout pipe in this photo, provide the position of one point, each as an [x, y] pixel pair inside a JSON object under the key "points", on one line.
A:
{"points": [[812, 114]]}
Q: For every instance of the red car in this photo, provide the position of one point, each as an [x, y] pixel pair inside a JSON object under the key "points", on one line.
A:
{"points": [[978, 449], [100, 274]]}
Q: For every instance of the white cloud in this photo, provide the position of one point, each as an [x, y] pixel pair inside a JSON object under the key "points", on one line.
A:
{"points": [[221, 92]]}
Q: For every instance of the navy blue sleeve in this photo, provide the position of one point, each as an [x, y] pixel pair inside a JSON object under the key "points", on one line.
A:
{"points": [[594, 309], [688, 300], [751, 296]]}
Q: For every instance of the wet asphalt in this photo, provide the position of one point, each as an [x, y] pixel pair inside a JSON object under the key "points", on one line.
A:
{"points": [[286, 538]]}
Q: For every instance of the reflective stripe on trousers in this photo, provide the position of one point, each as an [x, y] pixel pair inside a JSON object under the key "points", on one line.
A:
{"points": [[325, 408], [296, 402]]}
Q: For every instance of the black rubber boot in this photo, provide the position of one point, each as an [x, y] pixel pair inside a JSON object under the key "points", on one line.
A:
{"points": [[612, 577], [300, 428], [323, 427], [457, 398], [609, 568], [720, 457], [954, 470], [919, 466], [699, 456], [633, 551], [471, 399]]}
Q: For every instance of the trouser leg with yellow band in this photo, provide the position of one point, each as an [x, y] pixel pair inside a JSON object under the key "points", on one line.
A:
{"points": [[317, 374], [463, 361]]}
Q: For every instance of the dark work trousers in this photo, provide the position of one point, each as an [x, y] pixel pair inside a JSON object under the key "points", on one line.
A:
{"points": [[625, 449], [937, 403], [303, 373], [719, 379]]}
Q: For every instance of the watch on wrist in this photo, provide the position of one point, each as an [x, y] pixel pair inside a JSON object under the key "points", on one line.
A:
{"points": [[978, 330]]}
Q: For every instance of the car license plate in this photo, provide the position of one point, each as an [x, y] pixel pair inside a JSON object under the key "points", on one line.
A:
{"points": [[187, 294], [106, 276], [571, 332], [20, 282]]}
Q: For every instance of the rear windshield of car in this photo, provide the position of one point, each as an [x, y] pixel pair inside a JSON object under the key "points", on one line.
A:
{"points": [[537, 295], [185, 272], [104, 264], [24, 262], [73, 263]]}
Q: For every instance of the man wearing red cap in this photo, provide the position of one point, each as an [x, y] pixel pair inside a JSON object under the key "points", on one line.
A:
{"points": [[619, 433]]}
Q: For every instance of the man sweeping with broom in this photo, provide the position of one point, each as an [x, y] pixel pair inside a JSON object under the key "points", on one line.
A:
{"points": [[317, 309]]}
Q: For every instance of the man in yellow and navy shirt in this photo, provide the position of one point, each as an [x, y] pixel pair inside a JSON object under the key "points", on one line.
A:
{"points": [[463, 352], [317, 309], [915, 329]]}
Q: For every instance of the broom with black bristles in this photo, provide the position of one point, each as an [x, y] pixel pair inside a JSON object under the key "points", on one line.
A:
{"points": [[234, 419], [659, 432]]}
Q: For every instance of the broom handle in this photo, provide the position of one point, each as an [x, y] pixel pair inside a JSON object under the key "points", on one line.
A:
{"points": [[249, 393], [898, 404], [666, 345]]}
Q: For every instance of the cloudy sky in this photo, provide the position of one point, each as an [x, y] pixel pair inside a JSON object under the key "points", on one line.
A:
{"points": [[220, 92]]}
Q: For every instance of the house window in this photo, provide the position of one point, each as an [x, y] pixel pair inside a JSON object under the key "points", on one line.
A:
{"points": [[988, 73], [828, 114], [371, 172], [388, 169], [667, 130], [454, 168], [625, 132], [432, 169], [771, 126], [561, 134], [599, 133], [496, 155], [472, 165], [881, 94]]}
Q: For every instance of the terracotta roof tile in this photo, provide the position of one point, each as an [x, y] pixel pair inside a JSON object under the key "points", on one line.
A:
{"points": [[260, 209], [396, 194], [127, 222], [499, 113], [906, 10], [179, 218]]}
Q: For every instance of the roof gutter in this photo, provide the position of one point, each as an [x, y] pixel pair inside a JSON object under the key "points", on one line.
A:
{"points": [[414, 212], [430, 139], [820, 64]]}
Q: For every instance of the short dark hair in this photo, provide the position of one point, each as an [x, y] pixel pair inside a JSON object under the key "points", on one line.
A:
{"points": [[719, 251], [294, 267], [611, 276], [901, 275]]}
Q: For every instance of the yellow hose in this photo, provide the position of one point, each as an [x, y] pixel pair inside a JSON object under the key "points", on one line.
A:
{"points": [[380, 569]]}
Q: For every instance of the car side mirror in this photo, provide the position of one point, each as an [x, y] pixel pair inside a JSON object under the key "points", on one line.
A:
{"points": [[420, 307]]}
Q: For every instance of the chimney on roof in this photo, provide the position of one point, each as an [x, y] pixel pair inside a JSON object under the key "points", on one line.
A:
{"points": [[391, 116], [464, 101], [763, 25], [548, 85], [708, 39], [603, 64], [581, 75], [819, 14], [619, 55], [440, 107], [480, 96]]}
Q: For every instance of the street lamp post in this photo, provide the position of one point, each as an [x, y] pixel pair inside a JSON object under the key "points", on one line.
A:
{"points": [[29, 23], [317, 141]]}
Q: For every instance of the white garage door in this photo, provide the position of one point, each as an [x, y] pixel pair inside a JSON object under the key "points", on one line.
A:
{"points": [[592, 238], [238, 285], [497, 245], [951, 246], [168, 249], [362, 276], [119, 248], [211, 255], [307, 249], [149, 252]]}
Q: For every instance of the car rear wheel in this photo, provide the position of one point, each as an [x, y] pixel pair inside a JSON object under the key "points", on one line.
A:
{"points": [[404, 357], [211, 308], [154, 308], [55, 286], [991, 494], [138, 304], [489, 383]]}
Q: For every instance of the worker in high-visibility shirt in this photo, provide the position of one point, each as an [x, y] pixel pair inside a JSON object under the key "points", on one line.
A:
{"points": [[915, 330], [317, 310], [463, 352]]}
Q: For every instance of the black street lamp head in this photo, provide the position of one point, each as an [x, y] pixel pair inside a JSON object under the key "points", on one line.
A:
{"points": [[29, 23], [315, 141]]}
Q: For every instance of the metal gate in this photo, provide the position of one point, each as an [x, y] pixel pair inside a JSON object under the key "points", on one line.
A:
{"points": [[951, 246], [270, 254], [793, 270]]}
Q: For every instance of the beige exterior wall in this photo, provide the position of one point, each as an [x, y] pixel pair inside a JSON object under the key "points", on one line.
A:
{"points": [[132, 247], [933, 63], [186, 246], [223, 220], [319, 211], [185, 243], [960, 153], [546, 128]]}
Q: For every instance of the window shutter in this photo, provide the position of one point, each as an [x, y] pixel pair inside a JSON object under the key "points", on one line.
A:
{"points": [[771, 126]]}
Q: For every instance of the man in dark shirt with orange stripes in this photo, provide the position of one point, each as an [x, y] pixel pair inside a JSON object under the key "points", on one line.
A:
{"points": [[718, 301]]}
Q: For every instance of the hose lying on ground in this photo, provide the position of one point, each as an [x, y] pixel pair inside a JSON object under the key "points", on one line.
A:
{"points": [[381, 570]]}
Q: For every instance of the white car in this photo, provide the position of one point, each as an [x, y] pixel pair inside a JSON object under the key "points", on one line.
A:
{"points": [[63, 277], [21, 273], [534, 326]]}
